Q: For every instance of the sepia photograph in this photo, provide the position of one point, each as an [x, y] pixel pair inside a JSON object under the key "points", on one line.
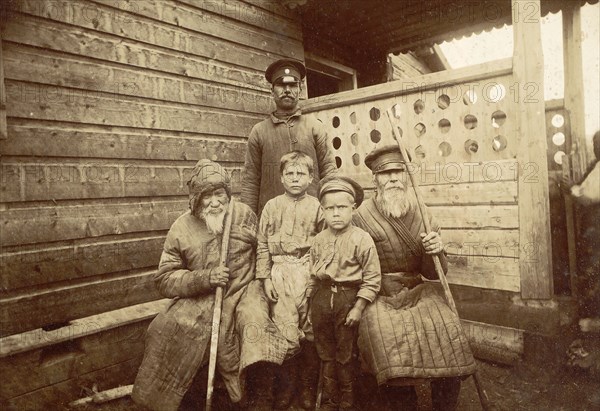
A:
{"points": [[335, 205]]}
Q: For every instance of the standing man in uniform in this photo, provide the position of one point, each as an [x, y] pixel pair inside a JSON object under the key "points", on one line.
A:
{"points": [[285, 130], [409, 333]]}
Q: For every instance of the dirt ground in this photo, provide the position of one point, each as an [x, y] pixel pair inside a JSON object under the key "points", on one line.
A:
{"points": [[525, 386]]}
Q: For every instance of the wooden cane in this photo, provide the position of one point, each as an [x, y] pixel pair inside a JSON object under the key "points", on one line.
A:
{"points": [[319, 388], [216, 320], [483, 398]]}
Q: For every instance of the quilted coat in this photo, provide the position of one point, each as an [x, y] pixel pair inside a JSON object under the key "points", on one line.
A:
{"points": [[409, 331], [177, 341]]}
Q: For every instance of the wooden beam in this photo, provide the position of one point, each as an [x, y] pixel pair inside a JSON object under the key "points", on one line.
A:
{"points": [[423, 83], [32, 225], [61, 303], [535, 260], [3, 126], [495, 343], [58, 395], [477, 216], [56, 69], [38, 32], [29, 100], [48, 263], [31, 137], [36, 181], [87, 326], [574, 88], [496, 273]]}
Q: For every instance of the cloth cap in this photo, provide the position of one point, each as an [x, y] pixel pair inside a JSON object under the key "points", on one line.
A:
{"points": [[206, 176], [341, 183], [285, 70], [385, 158]]}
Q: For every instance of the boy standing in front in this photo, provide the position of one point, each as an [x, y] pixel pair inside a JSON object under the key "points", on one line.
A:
{"points": [[288, 224], [345, 276]]}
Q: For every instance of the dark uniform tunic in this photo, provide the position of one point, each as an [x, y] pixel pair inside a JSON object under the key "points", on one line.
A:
{"points": [[269, 140]]}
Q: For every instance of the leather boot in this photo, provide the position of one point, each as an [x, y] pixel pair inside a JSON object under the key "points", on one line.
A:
{"points": [[444, 394], [285, 380], [309, 375], [329, 400], [260, 386], [345, 374], [401, 398]]}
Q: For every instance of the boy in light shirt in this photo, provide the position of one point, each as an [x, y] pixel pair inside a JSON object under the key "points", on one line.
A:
{"points": [[288, 224]]}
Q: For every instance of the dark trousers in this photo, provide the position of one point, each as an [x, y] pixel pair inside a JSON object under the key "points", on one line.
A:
{"points": [[335, 343], [329, 308]]}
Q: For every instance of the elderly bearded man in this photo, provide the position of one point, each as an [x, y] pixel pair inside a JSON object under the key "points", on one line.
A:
{"points": [[409, 333], [178, 340]]}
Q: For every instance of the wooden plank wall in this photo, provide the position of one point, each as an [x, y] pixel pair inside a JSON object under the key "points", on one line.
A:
{"points": [[109, 104]]}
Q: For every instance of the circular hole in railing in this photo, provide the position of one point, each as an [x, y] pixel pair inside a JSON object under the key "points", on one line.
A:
{"points": [[443, 101], [375, 136], [338, 161], [471, 146], [444, 125], [420, 129], [558, 157], [558, 138], [396, 111], [470, 121], [498, 118], [335, 121], [374, 113], [419, 106], [499, 143], [354, 139], [558, 120], [495, 93], [470, 97], [353, 117], [419, 152], [444, 149], [356, 159], [337, 142]]}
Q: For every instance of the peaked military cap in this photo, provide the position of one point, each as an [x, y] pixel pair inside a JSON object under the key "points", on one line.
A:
{"points": [[385, 158], [342, 183], [288, 70]]}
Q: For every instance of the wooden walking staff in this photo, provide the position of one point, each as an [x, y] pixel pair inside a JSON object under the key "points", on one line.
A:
{"points": [[436, 259], [216, 320]]}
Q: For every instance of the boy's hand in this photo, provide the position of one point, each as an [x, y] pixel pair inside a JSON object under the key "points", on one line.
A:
{"points": [[353, 317], [432, 243], [219, 277], [270, 292]]}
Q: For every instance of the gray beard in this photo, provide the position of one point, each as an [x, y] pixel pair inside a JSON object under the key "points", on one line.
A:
{"points": [[214, 222], [393, 203]]}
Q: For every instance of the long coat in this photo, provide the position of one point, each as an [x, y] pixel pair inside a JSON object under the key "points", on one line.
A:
{"points": [[408, 331], [178, 339]]}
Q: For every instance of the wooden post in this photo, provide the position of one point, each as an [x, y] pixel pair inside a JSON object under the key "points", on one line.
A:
{"points": [[535, 262], [574, 96], [3, 127], [570, 222]]}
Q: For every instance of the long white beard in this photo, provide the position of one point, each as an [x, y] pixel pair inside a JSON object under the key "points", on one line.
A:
{"points": [[393, 202], [214, 222]]}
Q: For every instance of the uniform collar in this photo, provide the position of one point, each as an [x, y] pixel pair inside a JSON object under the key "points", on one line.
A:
{"points": [[276, 119]]}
